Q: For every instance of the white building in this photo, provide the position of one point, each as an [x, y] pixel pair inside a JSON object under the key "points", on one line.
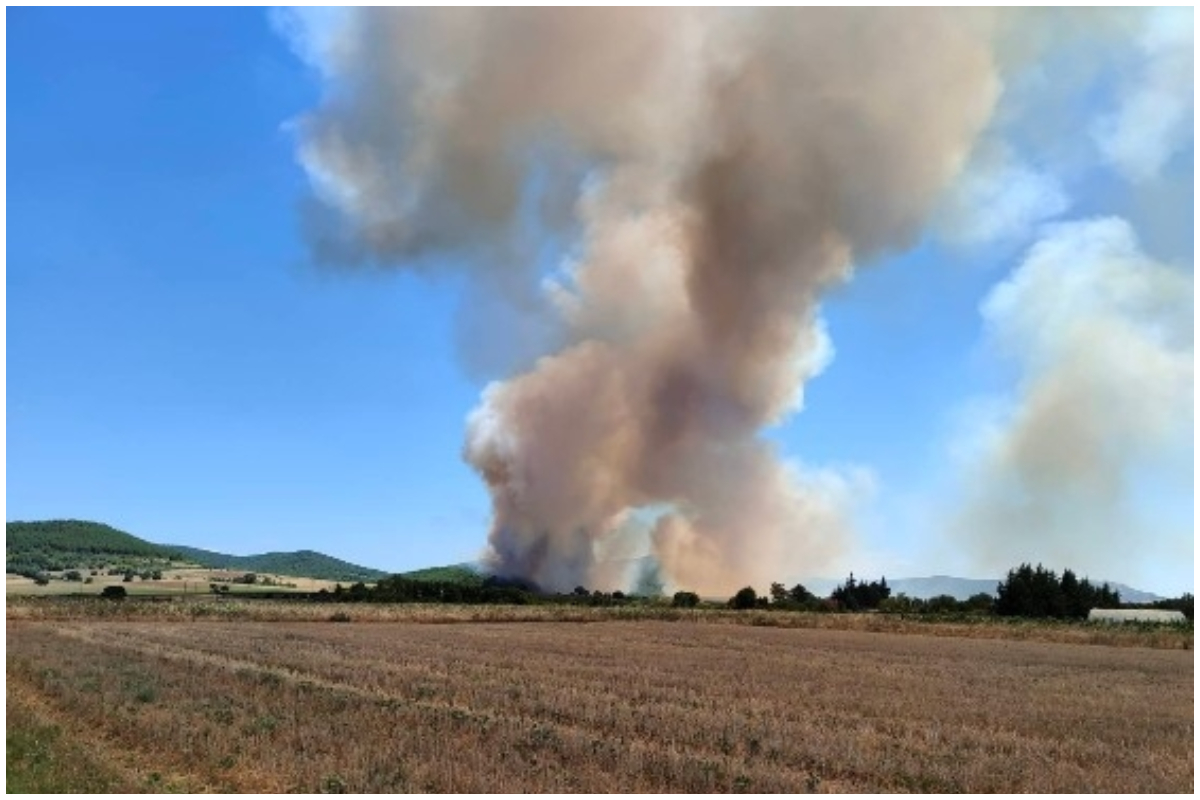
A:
{"points": [[1134, 615]]}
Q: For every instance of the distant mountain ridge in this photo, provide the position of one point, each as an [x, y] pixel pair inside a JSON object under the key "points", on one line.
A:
{"points": [[70, 543]]}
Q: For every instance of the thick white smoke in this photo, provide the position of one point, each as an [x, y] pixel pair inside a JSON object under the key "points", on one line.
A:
{"points": [[716, 171]]}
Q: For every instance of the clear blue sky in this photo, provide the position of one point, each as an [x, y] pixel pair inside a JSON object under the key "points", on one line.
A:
{"points": [[178, 368]]}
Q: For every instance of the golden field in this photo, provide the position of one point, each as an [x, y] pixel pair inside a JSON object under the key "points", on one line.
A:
{"points": [[194, 703], [183, 581]]}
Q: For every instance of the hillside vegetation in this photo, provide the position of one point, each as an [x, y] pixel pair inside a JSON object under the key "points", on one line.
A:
{"points": [[35, 547], [301, 563], [38, 548], [455, 573]]}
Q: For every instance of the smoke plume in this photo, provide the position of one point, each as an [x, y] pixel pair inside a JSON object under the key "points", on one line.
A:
{"points": [[716, 171], [1101, 335]]}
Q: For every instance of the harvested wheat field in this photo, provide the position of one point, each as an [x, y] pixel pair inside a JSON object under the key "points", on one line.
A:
{"points": [[604, 707]]}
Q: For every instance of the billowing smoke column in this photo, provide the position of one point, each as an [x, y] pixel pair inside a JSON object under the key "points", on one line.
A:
{"points": [[717, 171]]}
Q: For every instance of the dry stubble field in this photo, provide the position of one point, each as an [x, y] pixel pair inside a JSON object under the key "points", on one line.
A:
{"points": [[643, 706]]}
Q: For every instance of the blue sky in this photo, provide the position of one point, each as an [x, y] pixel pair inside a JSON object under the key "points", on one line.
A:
{"points": [[179, 368]]}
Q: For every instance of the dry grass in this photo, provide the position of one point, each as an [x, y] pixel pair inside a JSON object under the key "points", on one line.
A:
{"points": [[633, 706]]}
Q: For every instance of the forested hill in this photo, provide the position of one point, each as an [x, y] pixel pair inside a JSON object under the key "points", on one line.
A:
{"points": [[301, 563], [465, 574], [69, 543], [35, 547]]}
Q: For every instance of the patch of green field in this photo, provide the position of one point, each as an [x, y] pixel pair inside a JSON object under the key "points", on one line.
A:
{"points": [[40, 760]]}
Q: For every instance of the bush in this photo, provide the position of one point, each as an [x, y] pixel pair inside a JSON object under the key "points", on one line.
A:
{"points": [[113, 592], [942, 604], [685, 600], [980, 603]]}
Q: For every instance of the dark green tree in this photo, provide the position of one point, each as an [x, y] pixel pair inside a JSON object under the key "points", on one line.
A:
{"points": [[801, 596], [745, 598], [857, 596], [1029, 591], [779, 594]]}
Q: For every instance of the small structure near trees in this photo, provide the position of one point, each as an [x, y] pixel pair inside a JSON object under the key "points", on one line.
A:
{"points": [[1135, 615]]}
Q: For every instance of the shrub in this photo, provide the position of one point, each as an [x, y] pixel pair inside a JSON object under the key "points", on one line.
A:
{"points": [[685, 600], [113, 592], [981, 602]]}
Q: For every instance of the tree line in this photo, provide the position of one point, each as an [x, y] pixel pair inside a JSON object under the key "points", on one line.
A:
{"points": [[1026, 591]]}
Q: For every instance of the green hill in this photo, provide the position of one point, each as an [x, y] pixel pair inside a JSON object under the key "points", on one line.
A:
{"points": [[32, 547], [301, 564], [455, 573], [53, 545]]}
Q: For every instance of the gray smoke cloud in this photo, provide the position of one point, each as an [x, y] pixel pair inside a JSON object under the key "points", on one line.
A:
{"points": [[717, 171]]}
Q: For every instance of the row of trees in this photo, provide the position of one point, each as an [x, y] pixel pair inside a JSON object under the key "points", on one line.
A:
{"points": [[1029, 591], [1026, 591], [398, 589], [851, 595]]}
